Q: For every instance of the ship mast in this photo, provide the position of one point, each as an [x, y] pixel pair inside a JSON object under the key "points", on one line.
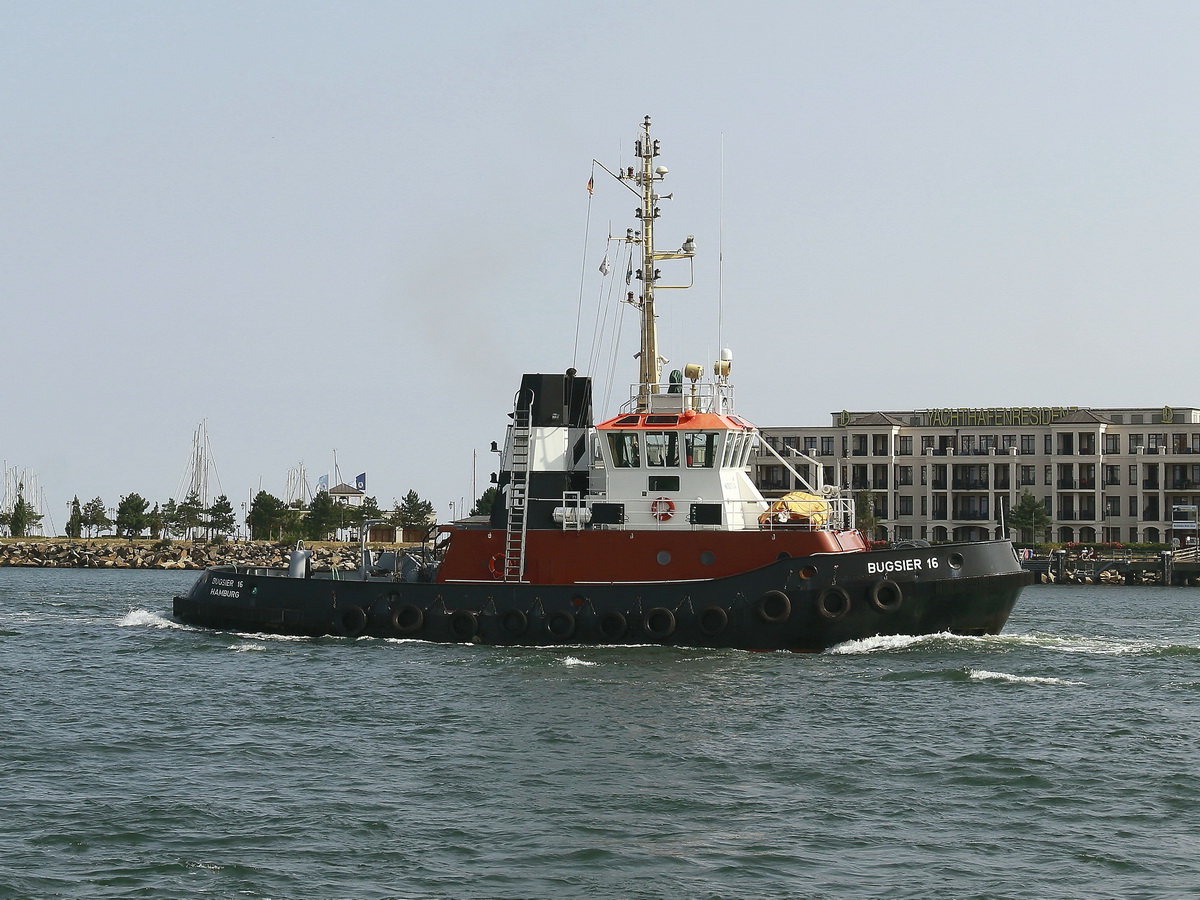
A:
{"points": [[646, 178]]}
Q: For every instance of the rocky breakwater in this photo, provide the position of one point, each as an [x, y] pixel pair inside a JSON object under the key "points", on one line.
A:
{"points": [[112, 554]]}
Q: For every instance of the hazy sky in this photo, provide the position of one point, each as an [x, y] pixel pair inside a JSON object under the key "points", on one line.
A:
{"points": [[353, 225]]}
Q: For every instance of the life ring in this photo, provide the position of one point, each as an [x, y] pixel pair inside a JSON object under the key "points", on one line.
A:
{"points": [[561, 625], [408, 619], [662, 508], [351, 622], [514, 622], [833, 603], [496, 566], [612, 626], [886, 595], [464, 624], [659, 623], [713, 620], [774, 607]]}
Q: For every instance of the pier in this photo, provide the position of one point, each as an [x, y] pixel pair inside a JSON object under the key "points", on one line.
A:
{"points": [[1178, 567]]}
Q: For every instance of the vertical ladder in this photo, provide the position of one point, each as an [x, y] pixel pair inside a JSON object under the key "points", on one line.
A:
{"points": [[518, 487]]}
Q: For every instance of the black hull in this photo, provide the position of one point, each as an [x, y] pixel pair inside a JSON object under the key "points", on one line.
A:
{"points": [[801, 604]]}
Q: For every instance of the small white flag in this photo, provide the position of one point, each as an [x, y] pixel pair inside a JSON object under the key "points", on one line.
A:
{"points": [[604, 265]]}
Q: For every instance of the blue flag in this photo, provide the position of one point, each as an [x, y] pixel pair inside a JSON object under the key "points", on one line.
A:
{"points": [[360, 481]]}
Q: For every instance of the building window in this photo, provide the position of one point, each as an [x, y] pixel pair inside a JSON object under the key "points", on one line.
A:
{"points": [[1135, 419], [1049, 444], [1112, 475], [1112, 443], [924, 475], [1028, 444], [904, 532], [810, 446], [1028, 475], [1049, 475], [1133, 508], [1133, 475], [1157, 440], [905, 445], [1112, 506], [790, 443], [987, 442], [924, 505], [926, 443], [968, 443], [1136, 442], [905, 506], [904, 474], [827, 446], [1010, 441]]}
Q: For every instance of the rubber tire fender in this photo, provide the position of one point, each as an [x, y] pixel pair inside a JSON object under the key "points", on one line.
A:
{"points": [[713, 620], [886, 595], [560, 625], [833, 603], [464, 624], [774, 607], [350, 622], [408, 619], [659, 623]]}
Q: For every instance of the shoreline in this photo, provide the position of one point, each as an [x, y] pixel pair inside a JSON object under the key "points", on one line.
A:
{"points": [[121, 553]]}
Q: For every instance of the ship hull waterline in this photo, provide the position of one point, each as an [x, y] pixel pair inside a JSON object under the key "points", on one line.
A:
{"points": [[805, 604]]}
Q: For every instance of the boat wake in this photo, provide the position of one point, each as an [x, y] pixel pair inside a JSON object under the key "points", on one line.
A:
{"points": [[1059, 643], [144, 618]]}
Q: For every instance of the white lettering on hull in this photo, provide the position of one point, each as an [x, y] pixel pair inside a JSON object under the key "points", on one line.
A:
{"points": [[888, 566]]}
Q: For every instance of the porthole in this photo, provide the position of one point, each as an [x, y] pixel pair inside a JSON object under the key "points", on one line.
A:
{"points": [[664, 557], [707, 558]]}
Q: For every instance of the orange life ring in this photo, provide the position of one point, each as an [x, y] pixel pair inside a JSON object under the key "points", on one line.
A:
{"points": [[496, 565], [662, 508]]}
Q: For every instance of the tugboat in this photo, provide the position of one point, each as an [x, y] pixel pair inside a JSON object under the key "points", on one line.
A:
{"points": [[644, 528]]}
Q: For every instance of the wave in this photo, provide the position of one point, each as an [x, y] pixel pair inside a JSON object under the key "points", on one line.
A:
{"points": [[576, 661], [985, 675]]}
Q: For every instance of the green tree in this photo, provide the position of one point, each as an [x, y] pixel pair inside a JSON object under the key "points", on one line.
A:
{"points": [[132, 518], [324, 516], [267, 516], [154, 521], [1029, 517], [864, 513], [23, 516], [170, 518], [483, 506], [95, 517], [220, 516], [75, 522], [189, 515], [413, 515]]}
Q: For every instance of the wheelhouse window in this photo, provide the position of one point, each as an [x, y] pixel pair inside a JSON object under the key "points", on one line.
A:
{"points": [[701, 448], [626, 452], [662, 449]]}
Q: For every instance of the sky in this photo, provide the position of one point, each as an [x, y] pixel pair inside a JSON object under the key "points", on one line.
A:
{"points": [[346, 228]]}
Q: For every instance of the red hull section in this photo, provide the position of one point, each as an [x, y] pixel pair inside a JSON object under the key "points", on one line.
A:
{"points": [[605, 557]]}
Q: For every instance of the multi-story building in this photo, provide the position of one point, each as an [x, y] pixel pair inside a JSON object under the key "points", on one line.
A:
{"points": [[1120, 475]]}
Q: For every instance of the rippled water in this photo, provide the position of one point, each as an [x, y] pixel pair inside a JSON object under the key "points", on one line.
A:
{"points": [[142, 758]]}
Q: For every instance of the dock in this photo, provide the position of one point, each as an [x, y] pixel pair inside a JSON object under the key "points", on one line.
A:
{"points": [[1169, 567]]}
